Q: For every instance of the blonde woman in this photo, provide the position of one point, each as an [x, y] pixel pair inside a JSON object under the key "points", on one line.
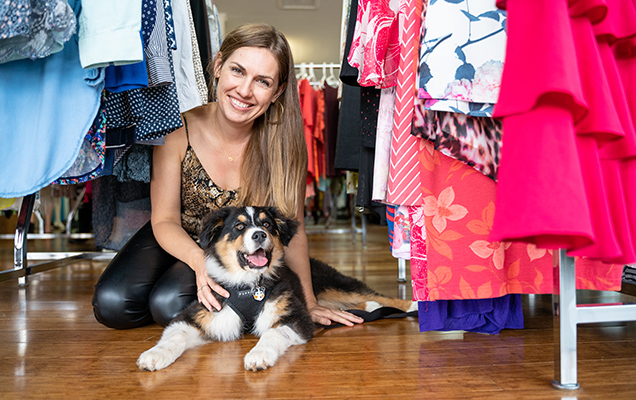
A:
{"points": [[246, 147]]}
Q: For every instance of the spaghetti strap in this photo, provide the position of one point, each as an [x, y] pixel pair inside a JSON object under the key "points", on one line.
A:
{"points": [[185, 124]]}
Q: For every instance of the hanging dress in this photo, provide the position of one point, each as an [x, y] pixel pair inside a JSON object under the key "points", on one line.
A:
{"points": [[569, 161], [40, 144]]}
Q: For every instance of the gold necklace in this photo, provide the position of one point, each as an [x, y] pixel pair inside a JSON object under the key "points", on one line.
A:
{"points": [[216, 129]]}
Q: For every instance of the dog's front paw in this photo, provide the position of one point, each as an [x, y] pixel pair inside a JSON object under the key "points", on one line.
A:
{"points": [[260, 358], [154, 359]]}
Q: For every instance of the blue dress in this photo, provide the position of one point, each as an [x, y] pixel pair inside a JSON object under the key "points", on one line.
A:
{"points": [[47, 106]]}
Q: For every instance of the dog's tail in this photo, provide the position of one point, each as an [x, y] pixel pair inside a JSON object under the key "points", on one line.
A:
{"points": [[338, 291]]}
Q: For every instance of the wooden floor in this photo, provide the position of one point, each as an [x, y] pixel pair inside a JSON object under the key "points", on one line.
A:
{"points": [[52, 347]]}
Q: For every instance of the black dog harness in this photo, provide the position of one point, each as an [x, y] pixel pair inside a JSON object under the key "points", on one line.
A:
{"points": [[247, 302]]}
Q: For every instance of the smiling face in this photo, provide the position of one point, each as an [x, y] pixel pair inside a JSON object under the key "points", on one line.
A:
{"points": [[247, 84]]}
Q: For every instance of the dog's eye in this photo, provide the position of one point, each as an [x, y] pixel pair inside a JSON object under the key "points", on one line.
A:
{"points": [[266, 224], [240, 227]]}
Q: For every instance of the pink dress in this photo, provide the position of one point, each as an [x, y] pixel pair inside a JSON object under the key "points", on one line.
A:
{"points": [[404, 180], [567, 99]]}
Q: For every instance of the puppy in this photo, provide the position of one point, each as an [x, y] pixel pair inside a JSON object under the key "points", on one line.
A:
{"points": [[244, 249]]}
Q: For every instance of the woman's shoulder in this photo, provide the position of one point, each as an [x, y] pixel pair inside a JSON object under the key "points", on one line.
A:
{"points": [[198, 113], [175, 145], [179, 140]]}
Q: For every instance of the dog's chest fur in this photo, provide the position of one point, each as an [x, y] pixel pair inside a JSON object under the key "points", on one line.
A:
{"points": [[284, 304]]}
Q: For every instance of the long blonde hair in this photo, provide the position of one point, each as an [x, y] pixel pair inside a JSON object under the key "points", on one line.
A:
{"points": [[274, 168]]}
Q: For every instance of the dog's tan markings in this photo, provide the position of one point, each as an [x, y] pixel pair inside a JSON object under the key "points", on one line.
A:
{"points": [[280, 221], [243, 219], [282, 308], [337, 299], [272, 313], [262, 215], [227, 252], [219, 224], [279, 250], [203, 319]]}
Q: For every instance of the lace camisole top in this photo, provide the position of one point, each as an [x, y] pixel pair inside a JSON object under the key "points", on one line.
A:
{"points": [[199, 194]]}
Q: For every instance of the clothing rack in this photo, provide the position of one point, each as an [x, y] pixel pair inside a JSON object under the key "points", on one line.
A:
{"points": [[567, 315], [316, 65], [303, 67], [307, 70], [21, 270]]}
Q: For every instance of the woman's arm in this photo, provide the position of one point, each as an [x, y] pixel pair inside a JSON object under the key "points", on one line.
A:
{"points": [[297, 257], [165, 197]]}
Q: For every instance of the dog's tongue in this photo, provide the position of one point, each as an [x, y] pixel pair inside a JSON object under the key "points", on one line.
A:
{"points": [[259, 259]]}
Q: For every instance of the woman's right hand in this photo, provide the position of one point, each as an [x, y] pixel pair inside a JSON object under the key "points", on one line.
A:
{"points": [[205, 286]]}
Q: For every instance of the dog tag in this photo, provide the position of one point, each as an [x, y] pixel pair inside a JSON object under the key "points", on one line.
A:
{"points": [[258, 293]]}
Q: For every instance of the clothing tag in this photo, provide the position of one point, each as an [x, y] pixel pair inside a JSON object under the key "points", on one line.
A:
{"points": [[259, 293]]}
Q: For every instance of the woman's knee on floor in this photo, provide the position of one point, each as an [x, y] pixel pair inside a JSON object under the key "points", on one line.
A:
{"points": [[115, 309], [167, 302], [175, 291]]}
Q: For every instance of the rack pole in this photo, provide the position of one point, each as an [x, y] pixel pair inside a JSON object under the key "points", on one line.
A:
{"points": [[565, 324], [20, 239], [567, 316]]}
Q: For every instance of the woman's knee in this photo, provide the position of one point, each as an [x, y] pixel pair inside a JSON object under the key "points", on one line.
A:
{"points": [[116, 309], [122, 291], [175, 291]]}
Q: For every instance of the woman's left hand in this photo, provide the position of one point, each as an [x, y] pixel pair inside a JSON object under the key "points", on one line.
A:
{"points": [[325, 316]]}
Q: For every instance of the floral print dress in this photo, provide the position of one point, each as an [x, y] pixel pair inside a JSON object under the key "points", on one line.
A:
{"points": [[461, 260], [461, 56]]}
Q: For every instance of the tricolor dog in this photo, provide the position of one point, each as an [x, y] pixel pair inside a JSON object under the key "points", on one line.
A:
{"points": [[245, 254]]}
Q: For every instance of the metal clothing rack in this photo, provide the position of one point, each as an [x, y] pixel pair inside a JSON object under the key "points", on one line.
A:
{"points": [[21, 270], [309, 68], [567, 315], [354, 230], [317, 65]]}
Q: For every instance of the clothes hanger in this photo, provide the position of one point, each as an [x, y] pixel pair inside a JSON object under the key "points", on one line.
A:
{"points": [[312, 77], [332, 80], [302, 74], [323, 78]]}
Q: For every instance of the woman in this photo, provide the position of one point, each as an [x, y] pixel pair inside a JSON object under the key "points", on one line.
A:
{"points": [[246, 147]]}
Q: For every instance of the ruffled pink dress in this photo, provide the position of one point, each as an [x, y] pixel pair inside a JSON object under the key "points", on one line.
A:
{"points": [[567, 177]]}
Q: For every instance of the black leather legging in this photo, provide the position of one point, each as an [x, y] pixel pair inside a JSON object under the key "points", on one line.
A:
{"points": [[142, 284]]}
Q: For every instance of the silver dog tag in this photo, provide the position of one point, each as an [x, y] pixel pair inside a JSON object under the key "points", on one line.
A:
{"points": [[258, 293]]}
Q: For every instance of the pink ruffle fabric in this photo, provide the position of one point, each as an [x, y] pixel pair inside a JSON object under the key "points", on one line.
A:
{"points": [[567, 99]]}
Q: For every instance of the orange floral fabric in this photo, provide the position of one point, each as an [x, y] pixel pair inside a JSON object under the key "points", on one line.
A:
{"points": [[461, 262]]}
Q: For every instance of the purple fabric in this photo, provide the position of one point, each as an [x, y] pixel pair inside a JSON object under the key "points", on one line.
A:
{"points": [[481, 315]]}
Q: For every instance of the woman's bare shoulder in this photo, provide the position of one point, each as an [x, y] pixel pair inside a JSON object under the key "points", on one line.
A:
{"points": [[177, 141]]}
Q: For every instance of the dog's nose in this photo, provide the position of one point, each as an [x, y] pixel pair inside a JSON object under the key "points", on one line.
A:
{"points": [[259, 236]]}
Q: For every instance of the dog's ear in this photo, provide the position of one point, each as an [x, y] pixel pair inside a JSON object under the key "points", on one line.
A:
{"points": [[213, 225], [287, 227]]}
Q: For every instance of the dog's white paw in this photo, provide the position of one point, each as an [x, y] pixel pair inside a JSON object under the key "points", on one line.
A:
{"points": [[155, 359], [413, 307], [260, 358]]}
